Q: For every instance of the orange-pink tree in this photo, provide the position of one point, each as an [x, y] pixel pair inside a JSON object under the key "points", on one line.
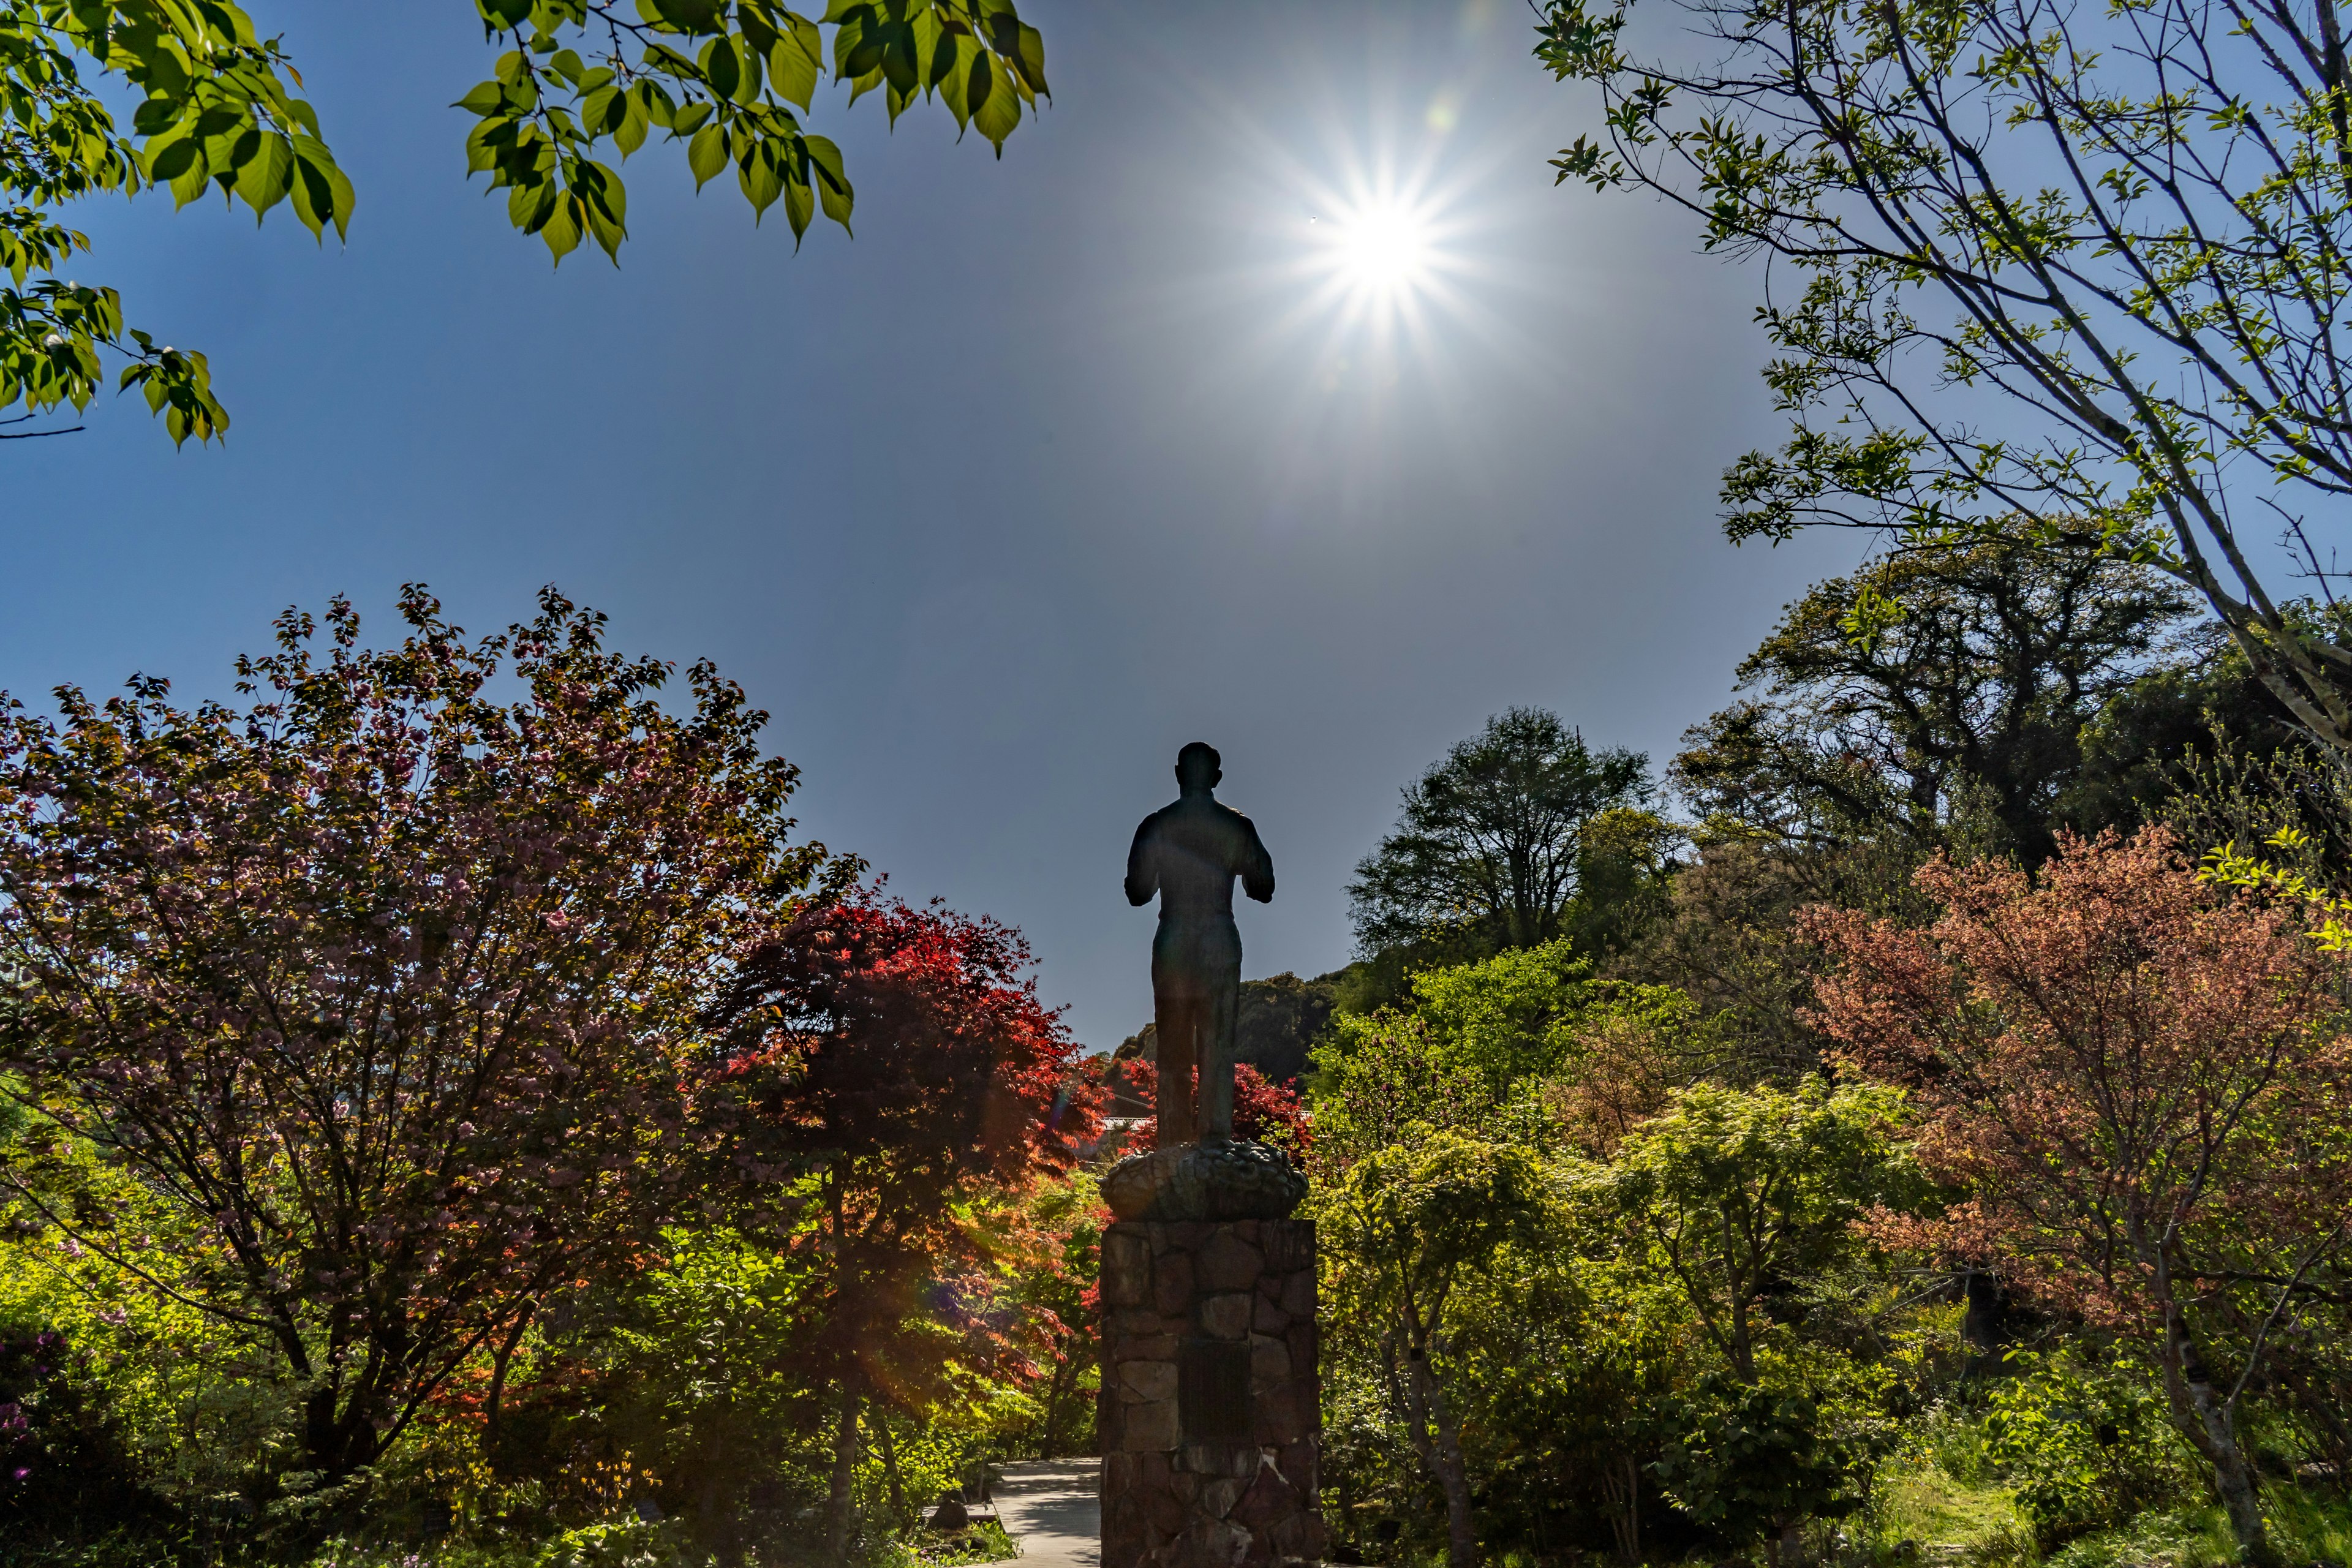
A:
{"points": [[390, 982], [2141, 1085]]}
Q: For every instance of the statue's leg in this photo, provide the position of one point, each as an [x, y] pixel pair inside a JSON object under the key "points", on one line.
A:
{"points": [[1217, 1058], [1179, 1027]]}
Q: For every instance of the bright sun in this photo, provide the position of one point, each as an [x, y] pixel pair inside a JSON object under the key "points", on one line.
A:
{"points": [[1383, 246], [1380, 250]]}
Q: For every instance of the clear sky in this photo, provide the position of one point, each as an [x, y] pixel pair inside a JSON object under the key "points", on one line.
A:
{"points": [[1065, 460]]}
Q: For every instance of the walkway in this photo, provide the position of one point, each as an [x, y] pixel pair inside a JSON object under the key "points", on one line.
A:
{"points": [[1052, 1506]]}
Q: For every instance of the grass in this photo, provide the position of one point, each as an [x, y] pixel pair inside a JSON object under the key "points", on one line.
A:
{"points": [[1970, 1526], [1928, 1505], [982, 1542]]}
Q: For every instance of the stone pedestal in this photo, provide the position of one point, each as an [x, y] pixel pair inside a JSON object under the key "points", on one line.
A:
{"points": [[1212, 1405]]}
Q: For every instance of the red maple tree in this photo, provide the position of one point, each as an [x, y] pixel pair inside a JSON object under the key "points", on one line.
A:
{"points": [[896, 1075]]}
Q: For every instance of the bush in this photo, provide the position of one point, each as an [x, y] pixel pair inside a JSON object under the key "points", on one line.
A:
{"points": [[1752, 1462], [624, 1542], [2082, 1447]]}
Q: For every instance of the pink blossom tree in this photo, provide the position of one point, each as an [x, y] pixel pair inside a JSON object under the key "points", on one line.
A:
{"points": [[389, 982]]}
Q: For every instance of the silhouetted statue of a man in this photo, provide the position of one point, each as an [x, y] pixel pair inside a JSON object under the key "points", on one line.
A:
{"points": [[1189, 854]]}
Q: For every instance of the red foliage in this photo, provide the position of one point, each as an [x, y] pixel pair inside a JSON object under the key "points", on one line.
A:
{"points": [[1263, 1111], [2106, 1060], [896, 1069], [885, 1029], [2140, 1085]]}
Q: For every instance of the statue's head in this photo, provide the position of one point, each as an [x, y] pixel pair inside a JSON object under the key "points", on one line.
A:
{"points": [[1198, 768]]}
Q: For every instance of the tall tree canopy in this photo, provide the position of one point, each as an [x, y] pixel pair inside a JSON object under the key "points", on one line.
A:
{"points": [[1931, 683], [576, 86], [389, 991], [2053, 262], [1492, 841]]}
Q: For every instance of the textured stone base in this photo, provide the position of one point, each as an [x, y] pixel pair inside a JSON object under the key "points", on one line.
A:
{"points": [[1234, 1180], [1212, 1405]]}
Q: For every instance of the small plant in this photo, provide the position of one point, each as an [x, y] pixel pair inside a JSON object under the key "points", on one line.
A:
{"points": [[625, 1541], [984, 1540]]}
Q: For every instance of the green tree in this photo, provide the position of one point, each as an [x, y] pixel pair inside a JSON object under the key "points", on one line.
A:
{"points": [[1728, 938], [1489, 849], [1734, 1193], [1935, 683], [1751, 1463], [576, 87], [1407, 1227], [2053, 263]]}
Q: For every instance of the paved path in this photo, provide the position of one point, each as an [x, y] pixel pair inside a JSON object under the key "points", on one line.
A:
{"points": [[1052, 1508]]}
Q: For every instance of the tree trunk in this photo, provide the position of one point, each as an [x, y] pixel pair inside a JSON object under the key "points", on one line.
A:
{"points": [[1443, 1458], [2210, 1421], [493, 1407], [1743, 1343], [1621, 1484], [339, 1442], [844, 1474], [890, 1468], [706, 1506], [1046, 1445]]}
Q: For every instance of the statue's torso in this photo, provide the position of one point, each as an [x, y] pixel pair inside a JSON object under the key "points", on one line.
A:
{"points": [[1197, 847]]}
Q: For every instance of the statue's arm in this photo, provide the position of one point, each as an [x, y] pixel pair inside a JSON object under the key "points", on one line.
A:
{"points": [[1142, 874], [1257, 866]]}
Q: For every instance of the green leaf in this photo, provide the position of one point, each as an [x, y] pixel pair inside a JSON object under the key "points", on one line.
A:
{"points": [[799, 206], [758, 27], [529, 206], [832, 186], [693, 17], [322, 194], [481, 150], [169, 161], [630, 134], [720, 66], [761, 175], [190, 184], [951, 89], [685, 122], [749, 68], [486, 99], [707, 153], [606, 196], [796, 60], [601, 111], [995, 102], [1028, 56], [562, 229], [271, 175]]}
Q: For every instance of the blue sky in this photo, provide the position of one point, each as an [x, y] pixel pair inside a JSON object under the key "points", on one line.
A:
{"points": [[1066, 459]]}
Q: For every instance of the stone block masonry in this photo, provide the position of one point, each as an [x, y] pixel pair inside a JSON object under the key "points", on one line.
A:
{"points": [[1211, 1404]]}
